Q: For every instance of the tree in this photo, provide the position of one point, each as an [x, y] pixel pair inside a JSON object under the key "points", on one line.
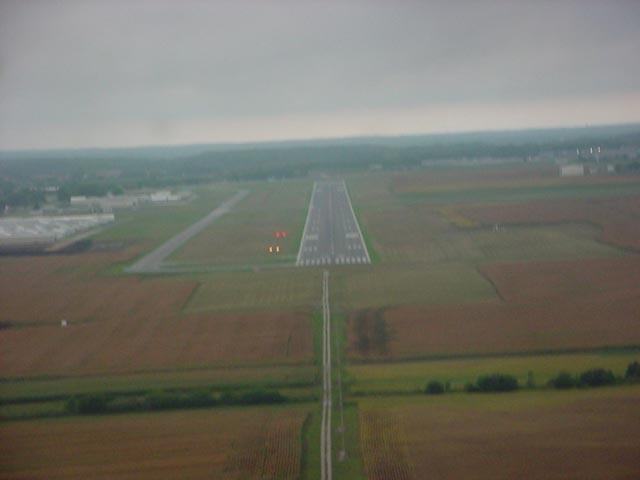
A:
{"points": [[434, 387], [497, 383], [633, 371], [563, 380], [597, 377]]}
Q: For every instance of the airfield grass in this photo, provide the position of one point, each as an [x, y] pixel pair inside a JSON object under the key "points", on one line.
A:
{"points": [[223, 443], [422, 234], [412, 376], [266, 289], [530, 434], [311, 430], [410, 228], [388, 285], [153, 224], [244, 235], [615, 217], [350, 466]]}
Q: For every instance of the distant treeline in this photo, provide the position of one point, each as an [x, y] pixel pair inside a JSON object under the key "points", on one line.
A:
{"points": [[94, 172], [499, 382], [100, 403]]}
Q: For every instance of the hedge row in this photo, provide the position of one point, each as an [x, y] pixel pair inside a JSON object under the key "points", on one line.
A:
{"points": [[498, 382], [162, 400]]}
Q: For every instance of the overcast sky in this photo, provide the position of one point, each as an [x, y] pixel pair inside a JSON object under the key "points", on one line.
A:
{"points": [[134, 72]]}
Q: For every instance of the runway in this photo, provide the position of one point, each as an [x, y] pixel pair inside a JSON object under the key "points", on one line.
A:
{"points": [[331, 235]]}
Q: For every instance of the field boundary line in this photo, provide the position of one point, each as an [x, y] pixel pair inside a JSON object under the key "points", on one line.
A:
{"points": [[306, 222], [606, 349], [364, 244]]}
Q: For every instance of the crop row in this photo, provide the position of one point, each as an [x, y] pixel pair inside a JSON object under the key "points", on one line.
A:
{"points": [[384, 447]]}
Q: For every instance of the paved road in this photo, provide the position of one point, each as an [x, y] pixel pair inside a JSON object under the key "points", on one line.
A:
{"points": [[152, 262], [326, 456], [331, 235]]}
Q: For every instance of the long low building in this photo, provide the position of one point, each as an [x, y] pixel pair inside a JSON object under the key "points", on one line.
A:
{"points": [[45, 230]]}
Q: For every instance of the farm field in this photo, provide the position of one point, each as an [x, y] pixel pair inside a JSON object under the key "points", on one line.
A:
{"points": [[244, 234], [447, 298], [256, 376], [617, 217], [445, 289], [423, 331], [425, 234], [420, 231], [130, 344], [43, 290], [403, 377], [390, 285], [256, 289], [247, 443], [124, 324], [435, 188], [612, 279], [577, 434]]}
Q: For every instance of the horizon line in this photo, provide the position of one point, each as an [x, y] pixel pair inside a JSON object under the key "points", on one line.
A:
{"points": [[275, 141]]}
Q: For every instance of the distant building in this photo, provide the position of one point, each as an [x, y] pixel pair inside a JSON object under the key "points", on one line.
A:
{"points": [[572, 170], [78, 201], [106, 204], [164, 196]]}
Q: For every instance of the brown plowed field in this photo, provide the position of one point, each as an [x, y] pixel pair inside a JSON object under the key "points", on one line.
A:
{"points": [[47, 289], [124, 324], [619, 217], [149, 342], [598, 279], [384, 447], [184, 445], [549, 436], [548, 305]]}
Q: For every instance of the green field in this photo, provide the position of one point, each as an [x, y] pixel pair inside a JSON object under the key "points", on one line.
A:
{"points": [[388, 285], [272, 288], [418, 231], [220, 378], [405, 377], [155, 224]]}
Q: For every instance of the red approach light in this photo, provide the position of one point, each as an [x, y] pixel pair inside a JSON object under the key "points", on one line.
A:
{"points": [[277, 248], [277, 234], [284, 234]]}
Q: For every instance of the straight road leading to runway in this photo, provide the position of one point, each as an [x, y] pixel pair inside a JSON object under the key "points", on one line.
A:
{"points": [[332, 235]]}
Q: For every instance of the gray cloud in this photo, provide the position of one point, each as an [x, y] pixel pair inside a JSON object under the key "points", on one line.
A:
{"points": [[81, 67]]}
